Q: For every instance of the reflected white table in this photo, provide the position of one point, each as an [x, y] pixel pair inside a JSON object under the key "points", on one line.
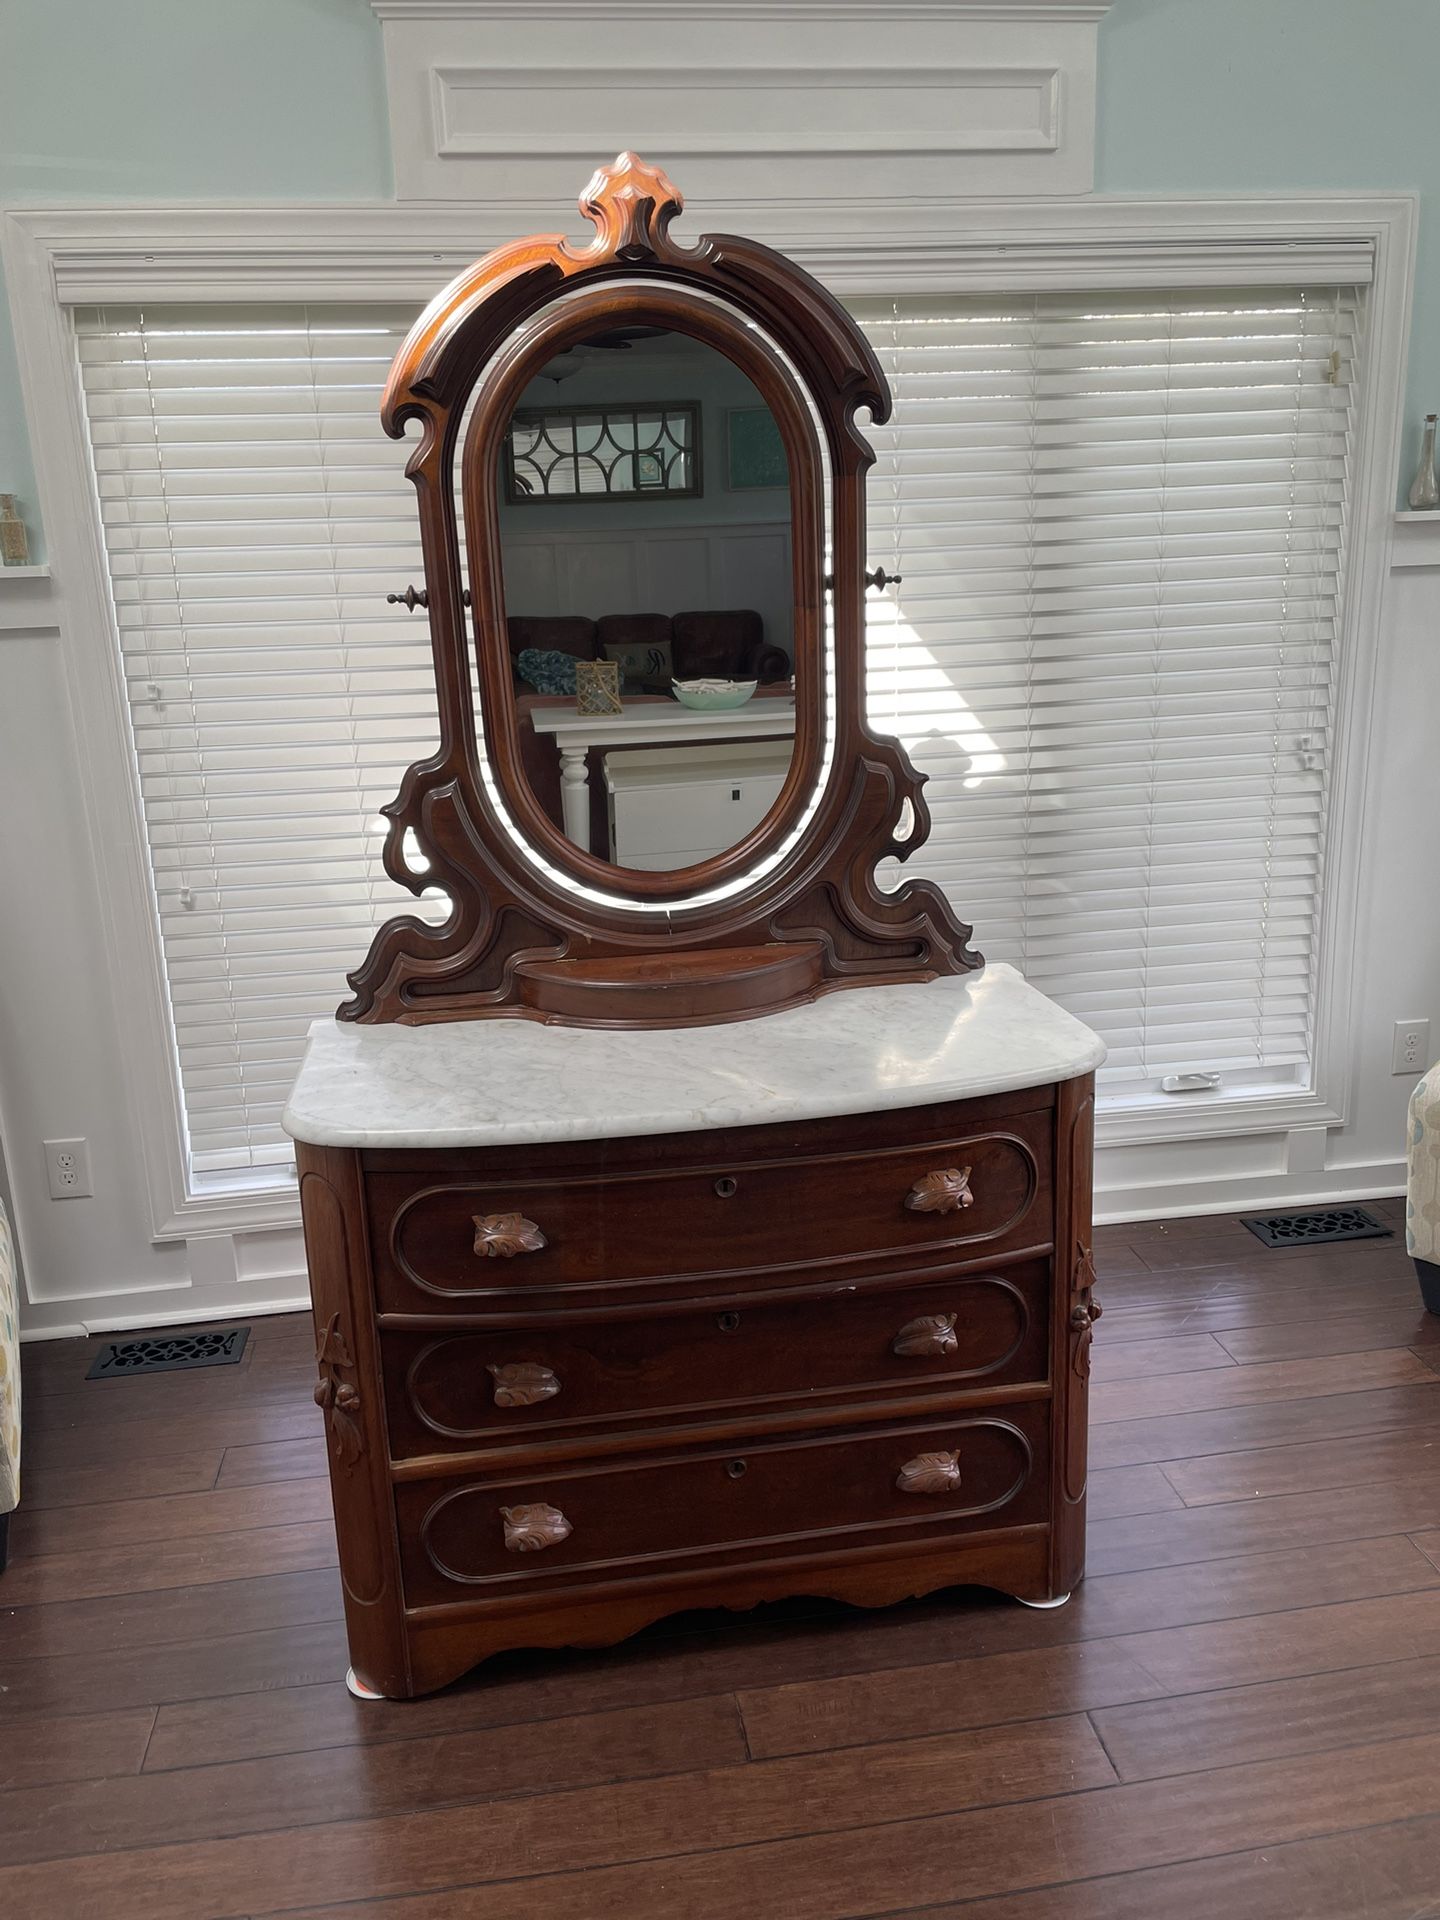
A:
{"points": [[765, 717]]}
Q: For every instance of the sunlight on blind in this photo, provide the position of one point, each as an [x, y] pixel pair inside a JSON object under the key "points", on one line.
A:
{"points": [[1120, 525], [254, 517]]}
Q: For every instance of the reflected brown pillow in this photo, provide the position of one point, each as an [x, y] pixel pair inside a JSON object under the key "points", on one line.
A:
{"points": [[645, 665]]}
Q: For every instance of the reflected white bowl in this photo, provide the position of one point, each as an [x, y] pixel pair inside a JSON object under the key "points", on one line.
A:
{"points": [[713, 696]]}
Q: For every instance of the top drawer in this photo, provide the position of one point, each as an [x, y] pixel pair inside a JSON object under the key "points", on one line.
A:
{"points": [[454, 1240]]}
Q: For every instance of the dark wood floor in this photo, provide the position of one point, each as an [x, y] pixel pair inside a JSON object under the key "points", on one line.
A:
{"points": [[1238, 1715]]}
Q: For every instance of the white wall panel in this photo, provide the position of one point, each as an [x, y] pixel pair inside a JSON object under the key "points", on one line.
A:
{"points": [[805, 100]]}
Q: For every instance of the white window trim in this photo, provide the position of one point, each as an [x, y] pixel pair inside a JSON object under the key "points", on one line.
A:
{"points": [[60, 257]]}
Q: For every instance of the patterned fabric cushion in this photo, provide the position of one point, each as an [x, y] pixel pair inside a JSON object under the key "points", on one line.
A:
{"points": [[1422, 1188], [644, 667], [552, 633], [547, 671], [9, 1371]]}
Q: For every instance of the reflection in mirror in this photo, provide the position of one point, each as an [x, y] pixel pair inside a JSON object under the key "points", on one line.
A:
{"points": [[644, 506]]}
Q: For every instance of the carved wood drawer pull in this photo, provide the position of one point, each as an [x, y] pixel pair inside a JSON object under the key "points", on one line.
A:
{"points": [[532, 1529], [930, 1473], [500, 1236], [934, 1333], [522, 1383], [945, 1191]]}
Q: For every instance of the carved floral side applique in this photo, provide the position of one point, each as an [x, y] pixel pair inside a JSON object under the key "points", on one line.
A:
{"points": [[337, 1397]]}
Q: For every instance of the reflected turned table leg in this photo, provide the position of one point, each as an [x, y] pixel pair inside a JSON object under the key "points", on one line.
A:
{"points": [[575, 796]]}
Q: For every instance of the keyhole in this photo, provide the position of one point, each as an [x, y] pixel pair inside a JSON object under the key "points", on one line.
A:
{"points": [[726, 1187], [727, 1322], [735, 1468]]}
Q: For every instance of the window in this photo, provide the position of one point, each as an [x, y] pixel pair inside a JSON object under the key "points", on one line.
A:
{"points": [[1120, 526], [606, 453], [255, 518]]}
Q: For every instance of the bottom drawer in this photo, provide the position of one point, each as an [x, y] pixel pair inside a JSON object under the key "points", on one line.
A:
{"points": [[709, 1506]]}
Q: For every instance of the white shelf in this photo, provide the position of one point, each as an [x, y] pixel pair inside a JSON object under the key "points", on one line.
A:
{"points": [[1417, 539], [27, 601]]}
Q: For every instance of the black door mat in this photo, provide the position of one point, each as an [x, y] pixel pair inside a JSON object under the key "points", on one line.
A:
{"points": [[1313, 1229], [169, 1352]]}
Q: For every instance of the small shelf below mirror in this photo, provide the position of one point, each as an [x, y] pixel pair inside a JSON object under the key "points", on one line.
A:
{"points": [[683, 989]]}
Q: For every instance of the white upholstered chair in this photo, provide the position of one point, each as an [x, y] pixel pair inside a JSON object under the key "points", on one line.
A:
{"points": [[9, 1383], [1422, 1187]]}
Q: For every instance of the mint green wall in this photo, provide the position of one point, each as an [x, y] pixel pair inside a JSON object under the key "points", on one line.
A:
{"points": [[285, 99], [1241, 96], [181, 99]]}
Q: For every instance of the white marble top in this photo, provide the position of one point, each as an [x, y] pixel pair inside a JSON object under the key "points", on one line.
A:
{"points": [[485, 1082]]}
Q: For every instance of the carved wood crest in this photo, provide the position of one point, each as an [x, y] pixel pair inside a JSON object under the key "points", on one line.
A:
{"points": [[799, 890]]}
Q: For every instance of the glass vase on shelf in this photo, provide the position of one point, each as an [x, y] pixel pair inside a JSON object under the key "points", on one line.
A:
{"points": [[14, 543], [1425, 488]]}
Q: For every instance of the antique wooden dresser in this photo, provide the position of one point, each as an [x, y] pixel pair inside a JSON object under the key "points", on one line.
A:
{"points": [[697, 1223], [614, 1324]]}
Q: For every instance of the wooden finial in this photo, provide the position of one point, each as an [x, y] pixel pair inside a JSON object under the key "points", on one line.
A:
{"points": [[632, 205]]}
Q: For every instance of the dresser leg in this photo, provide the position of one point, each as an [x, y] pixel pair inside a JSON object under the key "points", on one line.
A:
{"points": [[1044, 1606], [358, 1687]]}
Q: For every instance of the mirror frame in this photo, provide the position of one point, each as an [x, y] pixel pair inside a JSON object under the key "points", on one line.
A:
{"points": [[539, 927]]}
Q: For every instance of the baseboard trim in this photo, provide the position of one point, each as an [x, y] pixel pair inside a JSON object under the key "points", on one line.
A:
{"points": [[1179, 1200], [130, 1313]]}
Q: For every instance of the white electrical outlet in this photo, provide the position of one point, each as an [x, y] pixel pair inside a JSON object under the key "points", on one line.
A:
{"points": [[68, 1164], [1410, 1052]]}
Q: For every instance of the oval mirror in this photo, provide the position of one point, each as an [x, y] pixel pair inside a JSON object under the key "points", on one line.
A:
{"points": [[644, 506]]}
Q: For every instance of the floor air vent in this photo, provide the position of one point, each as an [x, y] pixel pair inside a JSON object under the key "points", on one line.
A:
{"points": [[169, 1352], [1313, 1229]]}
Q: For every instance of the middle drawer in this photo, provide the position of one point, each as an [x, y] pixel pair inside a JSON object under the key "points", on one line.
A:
{"points": [[560, 1376]]}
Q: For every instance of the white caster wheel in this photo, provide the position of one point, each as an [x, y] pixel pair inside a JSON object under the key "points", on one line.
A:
{"points": [[1045, 1606], [358, 1687]]}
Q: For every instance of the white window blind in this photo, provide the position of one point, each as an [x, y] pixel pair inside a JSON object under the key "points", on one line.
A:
{"points": [[255, 517], [1120, 526]]}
